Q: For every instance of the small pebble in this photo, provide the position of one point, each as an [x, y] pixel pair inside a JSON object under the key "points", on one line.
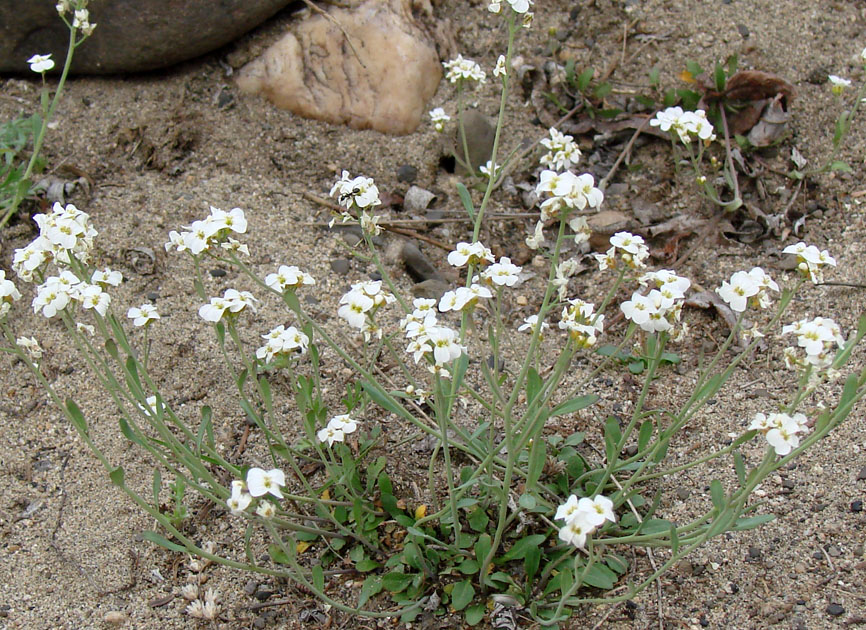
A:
{"points": [[743, 30], [153, 296], [217, 273], [754, 553], [834, 551], [407, 173], [861, 476], [521, 300], [835, 610], [114, 617], [340, 266], [857, 506], [683, 493], [251, 587]]}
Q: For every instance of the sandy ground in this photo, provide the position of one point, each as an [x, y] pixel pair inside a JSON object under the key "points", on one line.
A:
{"points": [[159, 148]]}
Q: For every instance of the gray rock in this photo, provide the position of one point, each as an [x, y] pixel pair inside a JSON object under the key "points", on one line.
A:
{"points": [[131, 35]]}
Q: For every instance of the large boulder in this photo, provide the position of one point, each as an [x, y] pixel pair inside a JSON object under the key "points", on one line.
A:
{"points": [[368, 67], [131, 35]]}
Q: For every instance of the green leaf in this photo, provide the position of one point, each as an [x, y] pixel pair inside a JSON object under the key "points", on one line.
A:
{"points": [[694, 69], [584, 78], [675, 540], [116, 475], [740, 467], [265, 387], [636, 367], [718, 494], [531, 561], [602, 90], [719, 78], [482, 547], [76, 416], [462, 594], [395, 581], [162, 541], [277, 554], [752, 522], [600, 576], [205, 429], [533, 385], [468, 567], [645, 435], [474, 614], [575, 438], [521, 547], [575, 404], [655, 526], [732, 62], [478, 519], [537, 459], [157, 486], [612, 436], [839, 165], [381, 398], [527, 501], [111, 348], [127, 431], [654, 77], [371, 586], [466, 198], [318, 577]]}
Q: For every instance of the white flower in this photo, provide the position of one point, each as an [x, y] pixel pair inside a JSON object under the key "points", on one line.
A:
{"points": [[261, 482], [30, 346], [52, 296], [463, 69], [41, 63], [863, 54], [142, 315], [495, 6], [281, 341], [463, 297], [438, 117], [444, 344], [811, 261], [817, 337], [499, 70], [92, 296], [667, 118], [490, 169], [266, 509], [562, 151], [471, 253], [189, 592], [537, 239], [738, 291], [531, 323], [234, 245], [330, 435], [233, 301], [574, 532], [568, 510], [233, 220], [107, 277], [213, 311], [360, 191], [288, 278], [838, 84], [784, 437], [520, 6], [240, 498], [503, 273], [355, 305], [8, 294], [627, 242], [597, 510]]}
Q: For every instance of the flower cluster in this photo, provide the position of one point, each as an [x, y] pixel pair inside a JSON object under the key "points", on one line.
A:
{"points": [[207, 609], [282, 341], [58, 292], [625, 246], [360, 191], [582, 517], [686, 125], [566, 191], [232, 302], [81, 21], [747, 287], [461, 69], [31, 346], [359, 305], [502, 273], [811, 261], [66, 230], [470, 254], [819, 338], [427, 337], [463, 298], [660, 309], [203, 234], [337, 430], [562, 151], [781, 430], [438, 117], [581, 322], [259, 483], [288, 278]]}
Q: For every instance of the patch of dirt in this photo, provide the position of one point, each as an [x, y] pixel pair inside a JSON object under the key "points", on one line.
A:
{"points": [[159, 148]]}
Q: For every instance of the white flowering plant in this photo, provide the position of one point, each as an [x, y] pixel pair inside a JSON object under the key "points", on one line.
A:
{"points": [[16, 135], [517, 508]]}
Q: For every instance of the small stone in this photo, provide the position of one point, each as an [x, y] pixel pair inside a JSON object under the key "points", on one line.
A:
{"points": [[835, 610], [857, 506], [260, 622], [407, 173], [817, 555], [704, 621], [263, 594], [431, 289], [217, 273], [788, 484], [743, 31], [340, 266], [114, 617], [250, 587], [418, 266], [521, 300], [834, 551], [153, 296], [861, 476], [754, 553], [683, 493]]}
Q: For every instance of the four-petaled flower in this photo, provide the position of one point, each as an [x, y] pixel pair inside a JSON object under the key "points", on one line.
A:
{"points": [[41, 63], [261, 482]]}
